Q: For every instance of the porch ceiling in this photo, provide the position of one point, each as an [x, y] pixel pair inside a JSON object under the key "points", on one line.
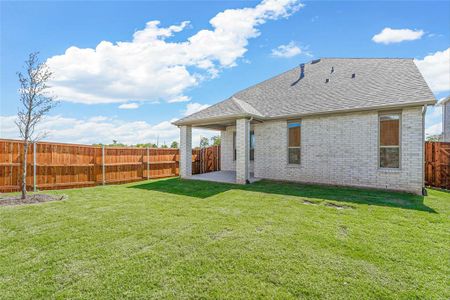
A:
{"points": [[220, 125]]}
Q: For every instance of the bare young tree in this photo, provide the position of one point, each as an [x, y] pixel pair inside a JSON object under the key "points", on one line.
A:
{"points": [[36, 102]]}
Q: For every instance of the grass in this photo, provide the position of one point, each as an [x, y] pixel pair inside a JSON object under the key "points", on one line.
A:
{"points": [[192, 239]]}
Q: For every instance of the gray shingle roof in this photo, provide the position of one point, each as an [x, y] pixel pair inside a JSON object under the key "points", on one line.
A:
{"points": [[378, 82]]}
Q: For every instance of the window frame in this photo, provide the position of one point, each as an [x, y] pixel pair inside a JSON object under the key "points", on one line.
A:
{"points": [[299, 121], [383, 114], [252, 149]]}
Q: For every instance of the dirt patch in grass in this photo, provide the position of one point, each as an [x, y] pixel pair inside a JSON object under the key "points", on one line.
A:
{"points": [[337, 206], [307, 202], [30, 199]]}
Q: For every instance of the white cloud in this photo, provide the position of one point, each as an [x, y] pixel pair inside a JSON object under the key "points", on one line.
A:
{"points": [[132, 105], [193, 108], [433, 120], [179, 99], [435, 68], [288, 50], [433, 129], [389, 35], [150, 68], [102, 130], [434, 112]]}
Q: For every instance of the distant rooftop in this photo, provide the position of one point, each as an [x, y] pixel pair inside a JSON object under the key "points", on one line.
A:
{"points": [[443, 101]]}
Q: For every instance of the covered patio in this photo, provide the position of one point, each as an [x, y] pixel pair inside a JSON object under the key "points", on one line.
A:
{"points": [[232, 112], [220, 176]]}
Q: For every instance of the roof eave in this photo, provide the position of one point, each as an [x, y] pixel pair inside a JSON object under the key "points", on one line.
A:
{"points": [[350, 110], [212, 120]]}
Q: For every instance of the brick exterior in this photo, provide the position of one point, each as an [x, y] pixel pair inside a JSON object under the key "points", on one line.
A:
{"points": [[242, 150], [338, 149], [446, 121], [185, 151], [226, 150]]}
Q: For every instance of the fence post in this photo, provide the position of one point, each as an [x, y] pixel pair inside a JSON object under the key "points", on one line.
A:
{"points": [[34, 167], [103, 164], [148, 163]]}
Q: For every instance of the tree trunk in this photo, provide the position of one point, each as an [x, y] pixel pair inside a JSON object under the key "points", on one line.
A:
{"points": [[24, 171]]}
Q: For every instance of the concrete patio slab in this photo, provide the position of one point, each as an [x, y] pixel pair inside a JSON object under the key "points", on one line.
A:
{"points": [[220, 176]]}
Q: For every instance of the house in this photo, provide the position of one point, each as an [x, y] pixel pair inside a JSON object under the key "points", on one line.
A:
{"points": [[445, 119], [337, 121]]}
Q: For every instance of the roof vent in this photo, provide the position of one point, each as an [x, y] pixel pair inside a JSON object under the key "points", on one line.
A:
{"points": [[332, 69], [353, 75], [315, 61], [302, 71], [327, 80]]}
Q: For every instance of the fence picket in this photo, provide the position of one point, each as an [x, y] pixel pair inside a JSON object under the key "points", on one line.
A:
{"points": [[437, 164]]}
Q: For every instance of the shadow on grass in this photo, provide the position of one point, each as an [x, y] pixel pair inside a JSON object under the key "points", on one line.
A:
{"points": [[206, 189]]}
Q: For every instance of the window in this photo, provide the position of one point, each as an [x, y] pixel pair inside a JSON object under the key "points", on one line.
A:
{"points": [[389, 140], [252, 145], [294, 139]]}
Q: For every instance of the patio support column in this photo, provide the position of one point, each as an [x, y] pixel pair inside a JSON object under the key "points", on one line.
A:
{"points": [[185, 151], [242, 150]]}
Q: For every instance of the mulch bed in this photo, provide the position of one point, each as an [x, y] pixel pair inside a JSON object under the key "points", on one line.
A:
{"points": [[30, 199]]}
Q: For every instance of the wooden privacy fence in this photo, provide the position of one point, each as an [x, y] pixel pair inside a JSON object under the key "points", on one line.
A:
{"points": [[206, 160], [437, 164], [58, 166]]}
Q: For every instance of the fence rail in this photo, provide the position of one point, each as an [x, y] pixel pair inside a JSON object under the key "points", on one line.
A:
{"points": [[437, 164], [59, 166]]}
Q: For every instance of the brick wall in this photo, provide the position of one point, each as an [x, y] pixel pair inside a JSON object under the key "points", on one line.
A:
{"points": [[226, 150], [185, 151], [337, 149], [242, 150]]}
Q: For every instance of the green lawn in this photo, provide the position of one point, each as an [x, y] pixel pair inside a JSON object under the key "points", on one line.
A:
{"points": [[190, 239]]}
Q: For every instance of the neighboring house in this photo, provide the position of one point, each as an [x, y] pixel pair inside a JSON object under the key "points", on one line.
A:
{"points": [[337, 121], [445, 119]]}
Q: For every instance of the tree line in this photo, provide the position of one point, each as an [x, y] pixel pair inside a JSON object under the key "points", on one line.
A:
{"points": [[115, 143], [204, 142]]}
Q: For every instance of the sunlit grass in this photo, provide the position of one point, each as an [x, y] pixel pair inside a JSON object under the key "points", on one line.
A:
{"points": [[191, 239]]}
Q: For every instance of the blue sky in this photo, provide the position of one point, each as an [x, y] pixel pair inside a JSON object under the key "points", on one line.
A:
{"points": [[115, 84]]}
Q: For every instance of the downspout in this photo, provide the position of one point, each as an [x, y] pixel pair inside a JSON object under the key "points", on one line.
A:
{"points": [[424, 111]]}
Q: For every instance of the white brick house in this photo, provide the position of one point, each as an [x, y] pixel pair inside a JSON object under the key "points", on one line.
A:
{"points": [[445, 119], [352, 122]]}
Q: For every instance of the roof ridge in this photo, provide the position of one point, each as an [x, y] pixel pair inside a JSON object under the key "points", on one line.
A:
{"points": [[242, 104]]}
